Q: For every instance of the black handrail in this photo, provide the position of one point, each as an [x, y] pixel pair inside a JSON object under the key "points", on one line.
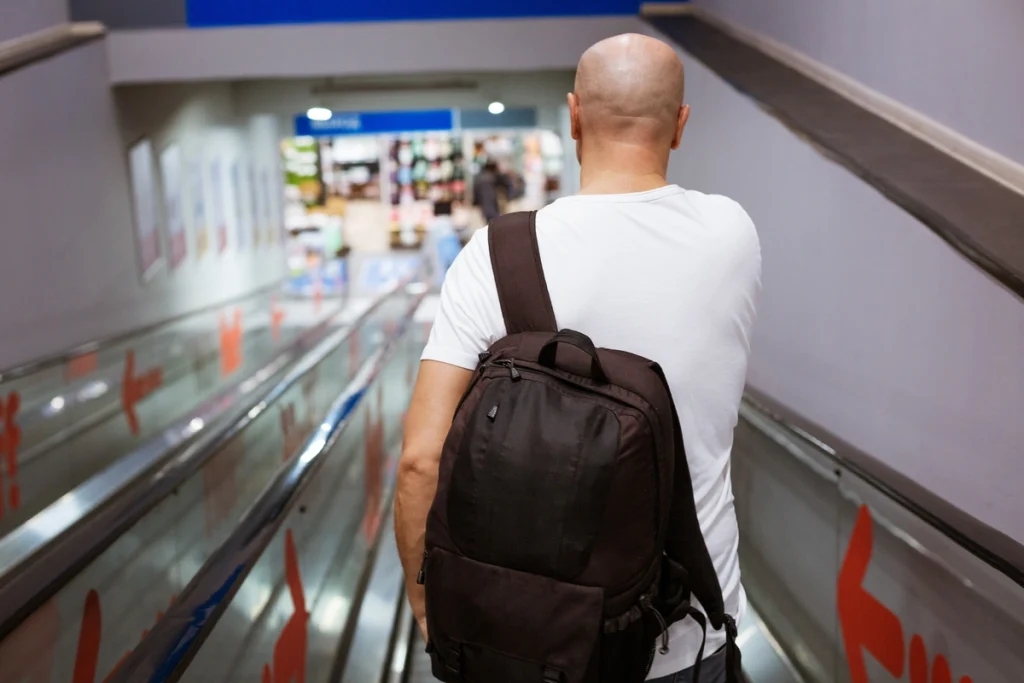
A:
{"points": [[18, 53], [167, 650], [987, 544], [36, 579], [61, 357], [977, 216]]}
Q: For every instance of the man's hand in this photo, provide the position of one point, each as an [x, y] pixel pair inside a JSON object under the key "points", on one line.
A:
{"points": [[439, 388], [422, 623]]}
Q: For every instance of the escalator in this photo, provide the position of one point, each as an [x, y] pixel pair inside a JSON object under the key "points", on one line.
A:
{"points": [[105, 559], [273, 561]]}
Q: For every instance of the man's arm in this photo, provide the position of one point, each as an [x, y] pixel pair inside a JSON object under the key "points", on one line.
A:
{"points": [[438, 390]]}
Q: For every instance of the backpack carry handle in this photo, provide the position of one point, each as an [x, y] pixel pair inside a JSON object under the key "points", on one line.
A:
{"points": [[581, 342]]}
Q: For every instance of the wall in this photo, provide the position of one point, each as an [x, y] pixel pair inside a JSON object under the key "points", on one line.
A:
{"points": [[958, 63], [68, 268], [19, 17], [868, 324], [416, 47]]}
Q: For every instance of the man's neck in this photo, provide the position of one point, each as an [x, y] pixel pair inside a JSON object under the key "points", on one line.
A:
{"points": [[621, 169]]}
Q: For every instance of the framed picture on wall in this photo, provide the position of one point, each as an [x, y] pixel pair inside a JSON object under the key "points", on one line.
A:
{"points": [[170, 177], [148, 243], [217, 210], [269, 202], [255, 204], [197, 200], [243, 227]]}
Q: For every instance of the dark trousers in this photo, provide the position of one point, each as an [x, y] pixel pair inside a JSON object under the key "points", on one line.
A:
{"points": [[712, 670]]}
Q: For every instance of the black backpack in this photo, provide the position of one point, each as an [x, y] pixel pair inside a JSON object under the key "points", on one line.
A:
{"points": [[563, 539]]}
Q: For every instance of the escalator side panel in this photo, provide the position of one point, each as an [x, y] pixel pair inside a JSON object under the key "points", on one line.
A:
{"points": [[857, 587], [103, 613]]}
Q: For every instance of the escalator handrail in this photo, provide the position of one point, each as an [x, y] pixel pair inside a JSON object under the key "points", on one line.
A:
{"points": [[29, 582], [103, 343], [17, 53], [989, 545], [172, 643]]}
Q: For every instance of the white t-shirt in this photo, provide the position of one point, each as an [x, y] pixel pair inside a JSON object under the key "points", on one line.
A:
{"points": [[671, 275]]}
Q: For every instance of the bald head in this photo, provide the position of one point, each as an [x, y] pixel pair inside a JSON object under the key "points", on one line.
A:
{"points": [[630, 87]]}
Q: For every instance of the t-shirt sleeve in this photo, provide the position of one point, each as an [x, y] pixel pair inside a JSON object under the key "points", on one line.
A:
{"points": [[468, 317]]}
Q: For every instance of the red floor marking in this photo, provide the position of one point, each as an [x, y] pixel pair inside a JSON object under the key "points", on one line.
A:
{"points": [[869, 625], [10, 441], [289, 664], [866, 622], [136, 388], [90, 636], [276, 318], [230, 342]]}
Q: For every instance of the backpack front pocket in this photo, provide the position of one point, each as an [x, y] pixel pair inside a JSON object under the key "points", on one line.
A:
{"points": [[488, 624]]}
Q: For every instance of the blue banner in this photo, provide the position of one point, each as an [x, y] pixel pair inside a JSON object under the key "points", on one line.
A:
{"points": [[374, 122], [239, 12]]}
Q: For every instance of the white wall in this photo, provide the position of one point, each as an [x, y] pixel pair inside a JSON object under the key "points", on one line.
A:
{"points": [[869, 324], [19, 17], [68, 268], [352, 49], [956, 62]]}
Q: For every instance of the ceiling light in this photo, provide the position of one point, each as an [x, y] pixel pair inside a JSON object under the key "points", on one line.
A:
{"points": [[495, 107], [319, 114]]}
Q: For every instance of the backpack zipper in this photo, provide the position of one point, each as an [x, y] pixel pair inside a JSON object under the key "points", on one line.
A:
{"points": [[645, 603], [512, 371]]}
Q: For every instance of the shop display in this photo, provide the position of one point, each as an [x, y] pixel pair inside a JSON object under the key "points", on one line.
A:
{"points": [[424, 169], [147, 226], [350, 166], [344, 176]]}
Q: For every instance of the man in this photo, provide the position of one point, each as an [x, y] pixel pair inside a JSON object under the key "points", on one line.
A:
{"points": [[637, 264]]}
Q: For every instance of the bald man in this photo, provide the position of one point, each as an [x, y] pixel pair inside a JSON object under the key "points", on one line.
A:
{"points": [[637, 264]]}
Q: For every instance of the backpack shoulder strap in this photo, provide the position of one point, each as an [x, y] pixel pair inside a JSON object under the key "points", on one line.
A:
{"points": [[519, 275]]}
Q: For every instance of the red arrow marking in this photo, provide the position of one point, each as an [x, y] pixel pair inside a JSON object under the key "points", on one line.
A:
{"points": [[867, 623]]}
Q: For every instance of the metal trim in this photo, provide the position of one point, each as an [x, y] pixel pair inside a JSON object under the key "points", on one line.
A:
{"points": [[45, 569], [23, 51]]}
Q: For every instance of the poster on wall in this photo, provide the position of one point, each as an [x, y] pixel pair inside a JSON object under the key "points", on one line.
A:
{"points": [[170, 175], [270, 219], [147, 226], [242, 227], [220, 216], [200, 221], [255, 205]]}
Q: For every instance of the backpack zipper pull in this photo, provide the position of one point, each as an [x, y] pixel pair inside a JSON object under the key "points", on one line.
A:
{"points": [[421, 578], [511, 365], [645, 602]]}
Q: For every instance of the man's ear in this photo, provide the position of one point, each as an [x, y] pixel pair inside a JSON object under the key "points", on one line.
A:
{"points": [[574, 115], [684, 116]]}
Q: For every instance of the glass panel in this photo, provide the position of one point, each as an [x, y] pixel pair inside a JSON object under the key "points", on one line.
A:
{"points": [[103, 613], [293, 608], [787, 510], [65, 423]]}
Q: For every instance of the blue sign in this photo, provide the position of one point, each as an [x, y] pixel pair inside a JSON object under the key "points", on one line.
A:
{"points": [[373, 122], [239, 12]]}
